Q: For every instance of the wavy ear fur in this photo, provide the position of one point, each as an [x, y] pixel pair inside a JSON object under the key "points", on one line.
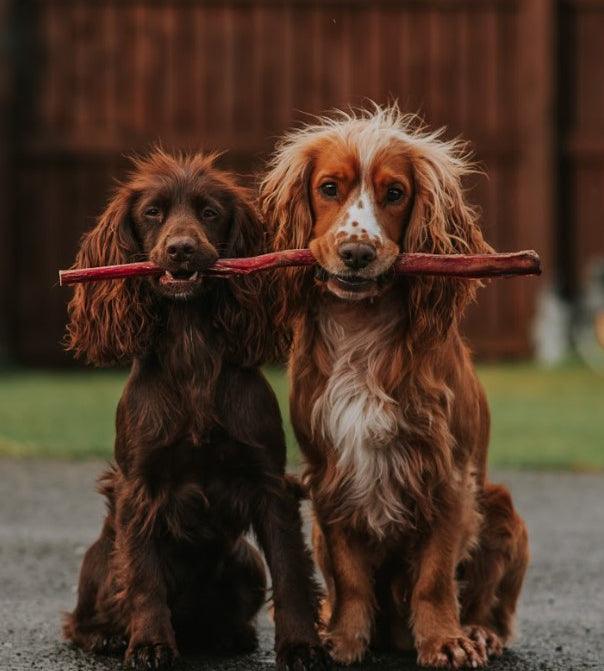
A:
{"points": [[285, 205], [241, 303], [442, 222], [109, 322]]}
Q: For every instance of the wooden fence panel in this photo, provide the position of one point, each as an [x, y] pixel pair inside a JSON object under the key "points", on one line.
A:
{"points": [[115, 76], [7, 316], [581, 225]]}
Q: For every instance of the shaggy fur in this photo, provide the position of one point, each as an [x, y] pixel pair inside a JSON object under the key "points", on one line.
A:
{"points": [[416, 546], [200, 452]]}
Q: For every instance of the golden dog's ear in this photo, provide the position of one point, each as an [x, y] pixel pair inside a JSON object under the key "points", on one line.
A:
{"points": [[441, 222], [285, 205], [109, 322]]}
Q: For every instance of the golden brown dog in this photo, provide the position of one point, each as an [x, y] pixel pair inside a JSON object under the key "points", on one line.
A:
{"points": [[416, 546]]}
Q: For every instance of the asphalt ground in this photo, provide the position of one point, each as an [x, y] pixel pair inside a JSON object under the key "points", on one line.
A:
{"points": [[49, 513]]}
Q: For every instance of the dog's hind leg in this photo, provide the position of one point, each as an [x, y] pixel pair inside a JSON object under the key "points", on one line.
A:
{"points": [[492, 578], [90, 625]]}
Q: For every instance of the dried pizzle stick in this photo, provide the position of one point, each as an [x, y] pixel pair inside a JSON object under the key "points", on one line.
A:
{"points": [[471, 266]]}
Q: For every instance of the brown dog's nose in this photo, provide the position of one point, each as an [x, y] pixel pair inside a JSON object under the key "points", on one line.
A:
{"points": [[356, 255], [181, 248]]}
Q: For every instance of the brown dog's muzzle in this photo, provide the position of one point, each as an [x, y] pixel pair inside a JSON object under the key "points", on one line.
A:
{"points": [[184, 254]]}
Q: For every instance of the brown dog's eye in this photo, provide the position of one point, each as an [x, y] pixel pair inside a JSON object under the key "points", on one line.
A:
{"points": [[208, 213], [394, 194], [329, 189], [153, 212]]}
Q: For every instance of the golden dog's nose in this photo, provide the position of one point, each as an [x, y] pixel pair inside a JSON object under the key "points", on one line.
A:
{"points": [[356, 255]]}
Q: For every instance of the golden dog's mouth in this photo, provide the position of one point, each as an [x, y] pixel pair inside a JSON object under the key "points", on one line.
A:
{"points": [[351, 286]]}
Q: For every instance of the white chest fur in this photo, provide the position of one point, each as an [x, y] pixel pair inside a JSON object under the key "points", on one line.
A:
{"points": [[364, 425]]}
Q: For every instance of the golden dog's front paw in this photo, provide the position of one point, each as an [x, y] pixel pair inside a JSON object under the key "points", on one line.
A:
{"points": [[345, 646], [486, 638], [451, 652]]}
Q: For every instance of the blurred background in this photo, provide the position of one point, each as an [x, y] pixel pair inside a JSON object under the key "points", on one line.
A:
{"points": [[83, 83]]}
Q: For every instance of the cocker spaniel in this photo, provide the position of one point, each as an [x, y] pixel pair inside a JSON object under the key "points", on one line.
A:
{"points": [[417, 547], [199, 450]]}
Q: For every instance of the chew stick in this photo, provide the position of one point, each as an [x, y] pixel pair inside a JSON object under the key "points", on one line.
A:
{"points": [[449, 265]]}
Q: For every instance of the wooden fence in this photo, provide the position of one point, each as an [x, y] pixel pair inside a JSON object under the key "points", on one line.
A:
{"points": [[91, 80]]}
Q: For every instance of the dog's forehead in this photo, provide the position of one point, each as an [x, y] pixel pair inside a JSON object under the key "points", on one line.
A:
{"points": [[182, 186], [355, 161]]}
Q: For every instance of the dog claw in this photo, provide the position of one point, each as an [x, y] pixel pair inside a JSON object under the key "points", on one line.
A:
{"points": [[150, 657], [455, 652]]}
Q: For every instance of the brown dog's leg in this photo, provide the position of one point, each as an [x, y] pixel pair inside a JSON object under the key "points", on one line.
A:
{"points": [[493, 576], [279, 530], [92, 626], [349, 577], [144, 597], [439, 637]]}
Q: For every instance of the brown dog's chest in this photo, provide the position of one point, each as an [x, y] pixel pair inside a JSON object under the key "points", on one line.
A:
{"points": [[204, 490]]}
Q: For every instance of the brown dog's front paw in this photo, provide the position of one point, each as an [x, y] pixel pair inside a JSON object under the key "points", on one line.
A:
{"points": [[452, 652], [149, 657], [486, 638], [302, 657], [109, 645], [346, 647]]}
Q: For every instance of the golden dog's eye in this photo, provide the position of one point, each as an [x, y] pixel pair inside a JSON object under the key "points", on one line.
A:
{"points": [[153, 212], [329, 189], [208, 213], [394, 194]]}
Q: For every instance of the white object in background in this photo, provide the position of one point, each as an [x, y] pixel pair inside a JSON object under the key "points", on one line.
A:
{"points": [[551, 328]]}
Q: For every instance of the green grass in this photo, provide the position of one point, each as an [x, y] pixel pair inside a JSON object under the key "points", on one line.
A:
{"points": [[541, 418]]}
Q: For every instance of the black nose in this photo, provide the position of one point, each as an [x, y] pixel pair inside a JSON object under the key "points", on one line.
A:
{"points": [[356, 255], [181, 248]]}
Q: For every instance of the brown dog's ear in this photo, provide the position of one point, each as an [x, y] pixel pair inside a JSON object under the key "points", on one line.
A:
{"points": [[442, 222], [241, 302], [285, 206], [109, 322]]}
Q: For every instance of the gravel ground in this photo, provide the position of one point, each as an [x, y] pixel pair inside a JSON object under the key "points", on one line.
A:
{"points": [[49, 513]]}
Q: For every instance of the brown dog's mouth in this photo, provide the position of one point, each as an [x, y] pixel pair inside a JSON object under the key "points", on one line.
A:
{"points": [[180, 284], [179, 278]]}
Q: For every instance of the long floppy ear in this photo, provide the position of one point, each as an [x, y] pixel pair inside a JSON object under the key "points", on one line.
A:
{"points": [[285, 206], [442, 222], [109, 322], [241, 303]]}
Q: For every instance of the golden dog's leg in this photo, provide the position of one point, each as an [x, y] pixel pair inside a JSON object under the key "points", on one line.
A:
{"points": [[439, 637], [323, 561], [349, 576]]}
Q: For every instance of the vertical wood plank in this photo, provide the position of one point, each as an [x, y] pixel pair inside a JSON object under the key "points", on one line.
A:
{"points": [[537, 171], [7, 156]]}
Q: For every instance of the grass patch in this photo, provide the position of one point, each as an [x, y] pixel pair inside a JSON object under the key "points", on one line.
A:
{"points": [[541, 418], [545, 418]]}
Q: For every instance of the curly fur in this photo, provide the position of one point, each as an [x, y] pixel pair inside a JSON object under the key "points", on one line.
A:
{"points": [[385, 402], [199, 450]]}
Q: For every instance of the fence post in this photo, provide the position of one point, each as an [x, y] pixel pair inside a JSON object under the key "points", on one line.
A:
{"points": [[538, 135], [6, 180]]}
